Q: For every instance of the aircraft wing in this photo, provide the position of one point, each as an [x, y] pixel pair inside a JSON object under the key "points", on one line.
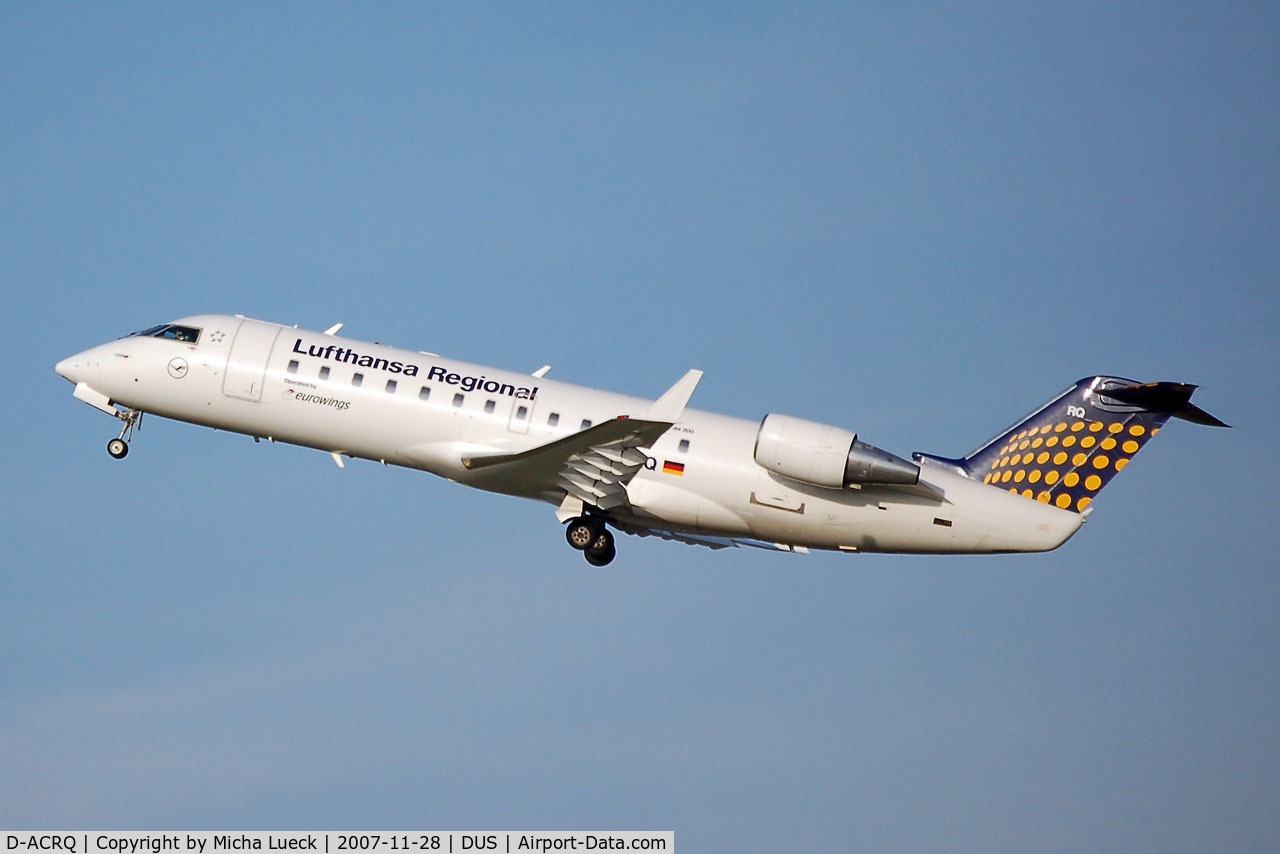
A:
{"points": [[594, 465]]}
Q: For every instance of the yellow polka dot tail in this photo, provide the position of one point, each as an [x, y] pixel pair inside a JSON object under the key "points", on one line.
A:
{"points": [[1072, 447]]}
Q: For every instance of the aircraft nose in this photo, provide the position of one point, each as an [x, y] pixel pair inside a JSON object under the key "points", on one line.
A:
{"points": [[73, 368], [67, 367]]}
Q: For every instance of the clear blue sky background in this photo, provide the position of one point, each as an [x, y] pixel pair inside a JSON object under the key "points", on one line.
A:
{"points": [[917, 221]]}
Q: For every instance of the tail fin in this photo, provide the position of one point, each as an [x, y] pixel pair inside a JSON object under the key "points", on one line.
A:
{"points": [[1068, 450]]}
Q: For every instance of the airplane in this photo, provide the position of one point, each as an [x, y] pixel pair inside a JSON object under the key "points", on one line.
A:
{"points": [[639, 466]]}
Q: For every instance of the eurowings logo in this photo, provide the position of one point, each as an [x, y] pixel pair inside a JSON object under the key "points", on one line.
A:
{"points": [[319, 400]]}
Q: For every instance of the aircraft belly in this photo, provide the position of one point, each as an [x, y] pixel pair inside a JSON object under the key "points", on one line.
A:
{"points": [[973, 518]]}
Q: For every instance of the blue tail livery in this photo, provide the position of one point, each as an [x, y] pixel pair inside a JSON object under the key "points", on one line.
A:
{"points": [[1065, 452]]}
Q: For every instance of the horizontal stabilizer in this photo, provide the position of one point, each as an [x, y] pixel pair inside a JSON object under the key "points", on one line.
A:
{"points": [[1173, 398]]}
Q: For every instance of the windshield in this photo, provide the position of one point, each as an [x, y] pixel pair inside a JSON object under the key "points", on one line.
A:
{"points": [[172, 331]]}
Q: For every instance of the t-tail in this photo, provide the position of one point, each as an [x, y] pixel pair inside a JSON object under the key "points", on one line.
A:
{"points": [[1065, 452]]}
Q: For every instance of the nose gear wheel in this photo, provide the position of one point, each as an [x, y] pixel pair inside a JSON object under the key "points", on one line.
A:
{"points": [[119, 447]]}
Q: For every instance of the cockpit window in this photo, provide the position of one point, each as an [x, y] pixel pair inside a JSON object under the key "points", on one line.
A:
{"points": [[180, 333], [172, 331], [148, 332]]}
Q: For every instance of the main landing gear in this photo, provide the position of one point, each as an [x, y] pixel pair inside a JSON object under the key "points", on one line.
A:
{"points": [[588, 535], [119, 447]]}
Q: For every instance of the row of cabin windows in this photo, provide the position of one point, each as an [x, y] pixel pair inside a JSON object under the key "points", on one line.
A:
{"points": [[424, 393]]}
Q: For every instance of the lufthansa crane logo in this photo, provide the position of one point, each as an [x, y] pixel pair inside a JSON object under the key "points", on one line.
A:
{"points": [[177, 368]]}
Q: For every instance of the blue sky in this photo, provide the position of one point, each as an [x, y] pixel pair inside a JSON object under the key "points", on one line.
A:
{"points": [[916, 221]]}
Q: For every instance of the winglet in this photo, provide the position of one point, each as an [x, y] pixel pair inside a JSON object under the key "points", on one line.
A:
{"points": [[673, 401], [333, 330]]}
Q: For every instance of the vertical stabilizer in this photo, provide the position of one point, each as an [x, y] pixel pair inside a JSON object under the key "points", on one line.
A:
{"points": [[1068, 450]]}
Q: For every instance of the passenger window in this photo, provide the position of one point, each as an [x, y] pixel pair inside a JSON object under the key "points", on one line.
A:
{"points": [[293, 366], [521, 412], [553, 419], [586, 422], [391, 386], [684, 445], [488, 406], [458, 398], [324, 372], [424, 393], [357, 379]]}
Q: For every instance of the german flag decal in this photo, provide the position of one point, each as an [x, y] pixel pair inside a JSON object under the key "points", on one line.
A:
{"points": [[669, 467]]}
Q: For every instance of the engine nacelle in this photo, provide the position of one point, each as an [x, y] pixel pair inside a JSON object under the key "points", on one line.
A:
{"points": [[825, 455]]}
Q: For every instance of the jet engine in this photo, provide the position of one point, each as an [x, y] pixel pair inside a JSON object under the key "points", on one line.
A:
{"points": [[825, 455]]}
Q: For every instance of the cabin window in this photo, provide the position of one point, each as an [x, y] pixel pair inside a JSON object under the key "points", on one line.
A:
{"points": [[521, 412], [324, 372], [424, 393], [391, 386], [586, 422], [684, 445], [553, 419], [293, 366], [489, 406], [458, 398], [357, 379]]}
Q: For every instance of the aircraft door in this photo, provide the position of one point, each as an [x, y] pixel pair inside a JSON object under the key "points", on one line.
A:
{"points": [[521, 416], [247, 361]]}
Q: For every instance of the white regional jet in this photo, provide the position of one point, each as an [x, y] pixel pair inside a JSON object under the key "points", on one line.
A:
{"points": [[640, 466]]}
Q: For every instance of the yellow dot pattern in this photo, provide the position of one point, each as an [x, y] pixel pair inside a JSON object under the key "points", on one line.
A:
{"points": [[1064, 461]]}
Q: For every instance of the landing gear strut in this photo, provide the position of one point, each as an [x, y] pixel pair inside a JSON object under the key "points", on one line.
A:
{"points": [[119, 447], [588, 535]]}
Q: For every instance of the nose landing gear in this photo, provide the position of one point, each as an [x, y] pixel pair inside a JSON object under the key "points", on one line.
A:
{"points": [[588, 535], [119, 447]]}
